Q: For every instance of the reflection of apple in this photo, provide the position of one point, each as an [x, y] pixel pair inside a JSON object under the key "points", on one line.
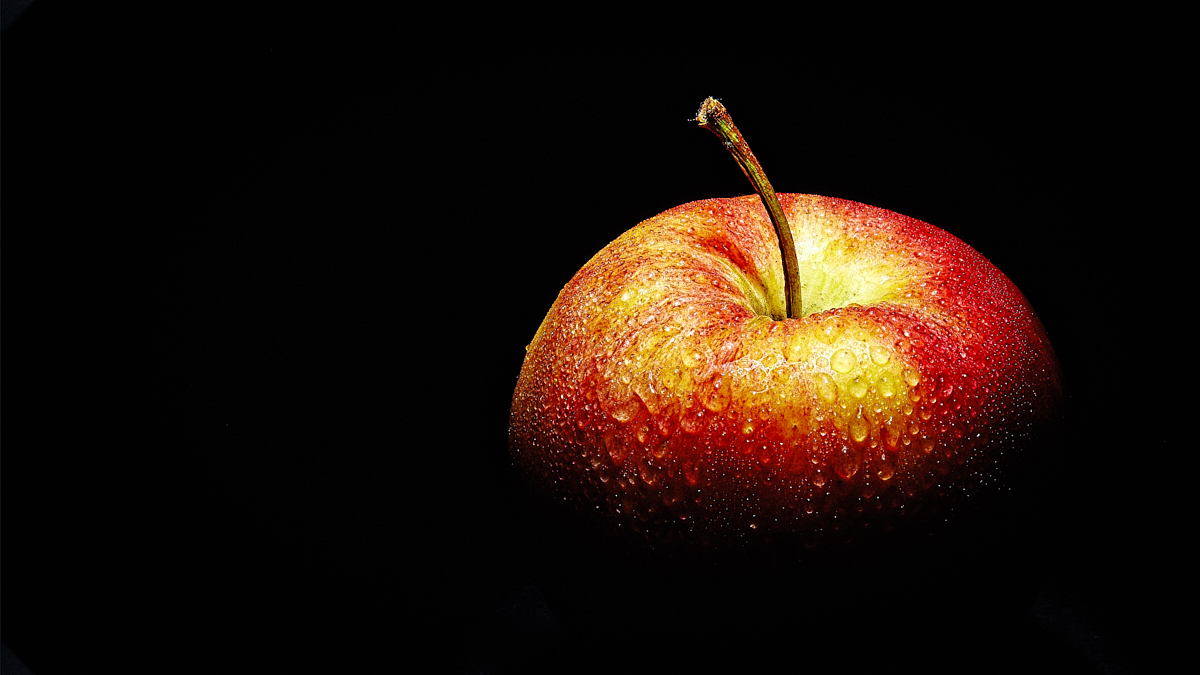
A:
{"points": [[660, 394]]}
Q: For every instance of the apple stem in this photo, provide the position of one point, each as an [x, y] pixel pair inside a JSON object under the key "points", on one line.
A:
{"points": [[714, 117]]}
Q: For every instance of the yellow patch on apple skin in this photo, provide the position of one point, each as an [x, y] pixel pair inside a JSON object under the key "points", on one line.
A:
{"points": [[865, 268]]}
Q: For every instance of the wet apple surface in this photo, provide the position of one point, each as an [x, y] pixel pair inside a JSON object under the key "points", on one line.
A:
{"points": [[660, 393]]}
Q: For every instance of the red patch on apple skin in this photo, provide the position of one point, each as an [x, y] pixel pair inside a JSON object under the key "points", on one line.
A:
{"points": [[655, 394]]}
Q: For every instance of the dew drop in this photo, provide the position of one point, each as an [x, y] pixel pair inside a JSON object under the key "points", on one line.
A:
{"points": [[718, 393], [831, 330], [859, 429], [668, 378], [891, 435], [947, 388], [858, 387], [880, 355], [643, 433], [886, 386], [843, 361], [780, 377], [818, 478], [625, 411], [826, 388], [846, 462], [617, 448], [886, 471], [647, 473], [912, 377], [666, 422], [758, 378], [795, 349]]}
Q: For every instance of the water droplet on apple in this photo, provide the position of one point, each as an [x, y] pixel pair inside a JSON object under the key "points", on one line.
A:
{"points": [[843, 361], [583, 416], [692, 420], [717, 393], [846, 462], [947, 388], [617, 448], [668, 378], [780, 377], [859, 429], [857, 387], [795, 349], [912, 377], [818, 479], [886, 386], [892, 433], [826, 388], [647, 473], [643, 433], [831, 329], [625, 411], [880, 355], [691, 473], [758, 379], [886, 471]]}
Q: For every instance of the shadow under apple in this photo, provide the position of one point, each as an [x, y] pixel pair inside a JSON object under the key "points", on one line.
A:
{"points": [[948, 591]]}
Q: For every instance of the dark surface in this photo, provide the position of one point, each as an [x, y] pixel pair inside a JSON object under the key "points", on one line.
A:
{"points": [[270, 277]]}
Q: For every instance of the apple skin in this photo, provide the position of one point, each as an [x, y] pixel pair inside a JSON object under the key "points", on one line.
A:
{"points": [[660, 396]]}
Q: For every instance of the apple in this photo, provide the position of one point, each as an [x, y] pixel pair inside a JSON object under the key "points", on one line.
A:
{"points": [[811, 371]]}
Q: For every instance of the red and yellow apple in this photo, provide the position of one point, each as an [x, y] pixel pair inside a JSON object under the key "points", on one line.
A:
{"points": [[667, 392]]}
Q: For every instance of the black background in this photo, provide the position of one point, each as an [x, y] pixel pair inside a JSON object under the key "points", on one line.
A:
{"points": [[270, 273]]}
